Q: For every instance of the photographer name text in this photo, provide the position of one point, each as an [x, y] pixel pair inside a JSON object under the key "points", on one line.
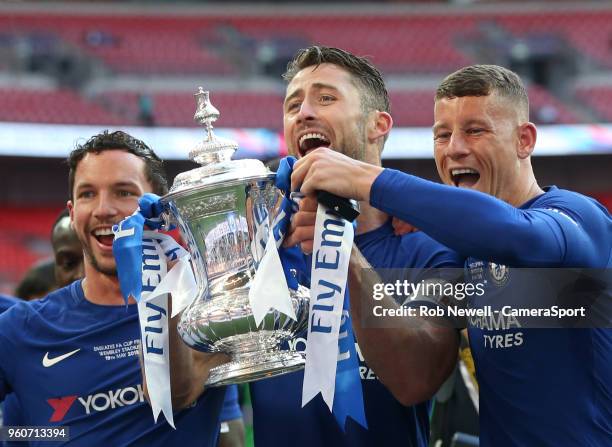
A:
{"points": [[485, 311]]}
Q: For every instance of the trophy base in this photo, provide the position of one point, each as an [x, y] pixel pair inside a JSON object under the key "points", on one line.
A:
{"points": [[256, 367]]}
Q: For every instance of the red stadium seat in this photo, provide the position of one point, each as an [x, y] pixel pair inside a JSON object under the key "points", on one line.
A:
{"points": [[54, 106]]}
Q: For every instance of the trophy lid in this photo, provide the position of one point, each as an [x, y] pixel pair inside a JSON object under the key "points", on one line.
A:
{"points": [[213, 149], [214, 154]]}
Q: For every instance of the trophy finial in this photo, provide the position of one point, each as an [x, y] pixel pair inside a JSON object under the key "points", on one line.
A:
{"points": [[213, 148], [206, 113]]}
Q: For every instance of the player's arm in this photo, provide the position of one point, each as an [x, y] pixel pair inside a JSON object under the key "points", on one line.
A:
{"points": [[482, 226], [412, 359], [469, 222]]}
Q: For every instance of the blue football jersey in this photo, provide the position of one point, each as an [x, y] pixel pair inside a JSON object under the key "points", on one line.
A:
{"points": [[544, 387], [11, 404], [279, 420], [6, 302], [74, 363]]}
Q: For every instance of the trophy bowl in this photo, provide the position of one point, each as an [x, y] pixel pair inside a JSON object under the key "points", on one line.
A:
{"points": [[224, 210]]}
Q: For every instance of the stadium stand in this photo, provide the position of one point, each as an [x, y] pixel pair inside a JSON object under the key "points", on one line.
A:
{"points": [[599, 98], [547, 46], [61, 106], [24, 239], [176, 108], [218, 46], [410, 107]]}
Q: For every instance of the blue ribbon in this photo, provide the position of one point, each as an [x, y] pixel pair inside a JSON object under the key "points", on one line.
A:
{"points": [[127, 245], [150, 206], [283, 175], [127, 249], [348, 396], [291, 258]]}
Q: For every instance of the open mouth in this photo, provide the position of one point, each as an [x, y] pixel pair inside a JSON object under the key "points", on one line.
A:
{"points": [[465, 177], [104, 236], [312, 141]]}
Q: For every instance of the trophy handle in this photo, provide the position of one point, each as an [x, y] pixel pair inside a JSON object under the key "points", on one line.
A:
{"points": [[166, 219]]}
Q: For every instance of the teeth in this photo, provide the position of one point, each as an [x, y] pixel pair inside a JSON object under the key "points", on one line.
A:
{"points": [[463, 171], [103, 232], [312, 135]]}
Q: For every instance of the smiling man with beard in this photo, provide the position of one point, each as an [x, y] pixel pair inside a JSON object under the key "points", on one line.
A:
{"points": [[338, 100], [544, 387], [72, 357]]}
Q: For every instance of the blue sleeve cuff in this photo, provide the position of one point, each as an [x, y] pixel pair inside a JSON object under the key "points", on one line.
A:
{"points": [[231, 407], [378, 191]]}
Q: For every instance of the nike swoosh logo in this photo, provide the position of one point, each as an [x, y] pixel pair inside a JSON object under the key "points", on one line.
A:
{"points": [[47, 362]]}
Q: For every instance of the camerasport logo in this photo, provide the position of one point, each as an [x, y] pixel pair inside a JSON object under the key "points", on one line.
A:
{"points": [[97, 402]]}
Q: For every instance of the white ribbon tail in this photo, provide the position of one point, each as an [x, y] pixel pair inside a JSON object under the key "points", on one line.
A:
{"points": [[269, 288], [158, 249], [156, 364], [333, 241], [319, 379]]}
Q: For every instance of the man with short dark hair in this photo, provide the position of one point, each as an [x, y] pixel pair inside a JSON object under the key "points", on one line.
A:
{"points": [[338, 100], [153, 167], [540, 387], [72, 357]]}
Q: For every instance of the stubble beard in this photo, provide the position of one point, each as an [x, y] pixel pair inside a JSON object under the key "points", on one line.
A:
{"points": [[358, 151], [110, 271]]}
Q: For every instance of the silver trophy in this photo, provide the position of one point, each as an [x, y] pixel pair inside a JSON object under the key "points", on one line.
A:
{"points": [[224, 210]]}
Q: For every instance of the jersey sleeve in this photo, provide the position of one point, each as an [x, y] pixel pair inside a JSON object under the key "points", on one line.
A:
{"points": [[5, 355], [558, 232], [12, 413], [583, 228], [231, 407], [6, 302]]}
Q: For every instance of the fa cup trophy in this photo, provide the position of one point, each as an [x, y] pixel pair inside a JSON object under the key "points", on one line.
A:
{"points": [[224, 210]]}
